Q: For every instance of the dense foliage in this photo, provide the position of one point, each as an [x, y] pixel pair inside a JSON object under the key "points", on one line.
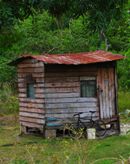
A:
{"points": [[56, 26]]}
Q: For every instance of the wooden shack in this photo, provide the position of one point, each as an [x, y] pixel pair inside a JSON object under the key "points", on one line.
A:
{"points": [[60, 85]]}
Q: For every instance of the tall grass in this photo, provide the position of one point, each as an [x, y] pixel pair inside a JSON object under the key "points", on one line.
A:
{"points": [[8, 100], [123, 101]]}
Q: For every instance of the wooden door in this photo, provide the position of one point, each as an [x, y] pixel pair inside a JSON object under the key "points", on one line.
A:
{"points": [[106, 92]]}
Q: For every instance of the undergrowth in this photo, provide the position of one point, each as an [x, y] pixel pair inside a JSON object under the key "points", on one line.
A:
{"points": [[123, 101], [8, 101]]}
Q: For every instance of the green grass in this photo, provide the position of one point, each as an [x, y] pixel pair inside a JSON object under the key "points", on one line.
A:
{"points": [[123, 105], [123, 101], [36, 150]]}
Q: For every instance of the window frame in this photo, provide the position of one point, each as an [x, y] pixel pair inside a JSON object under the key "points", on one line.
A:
{"points": [[30, 82], [85, 79], [28, 91]]}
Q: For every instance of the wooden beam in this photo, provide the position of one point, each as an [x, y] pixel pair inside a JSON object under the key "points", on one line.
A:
{"points": [[32, 120], [32, 110]]}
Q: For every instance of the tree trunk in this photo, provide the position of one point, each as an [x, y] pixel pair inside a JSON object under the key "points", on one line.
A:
{"points": [[103, 38]]}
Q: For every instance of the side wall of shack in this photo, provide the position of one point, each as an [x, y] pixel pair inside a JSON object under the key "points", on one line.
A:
{"points": [[31, 111], [62, 90]]}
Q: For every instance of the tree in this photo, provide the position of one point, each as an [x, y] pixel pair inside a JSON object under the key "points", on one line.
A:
{"points": [[14, 10], [99, 13]]}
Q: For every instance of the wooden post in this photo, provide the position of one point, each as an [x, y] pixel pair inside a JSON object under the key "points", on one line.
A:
{"points": [[23, 129], [49, 133], [116, 98]]}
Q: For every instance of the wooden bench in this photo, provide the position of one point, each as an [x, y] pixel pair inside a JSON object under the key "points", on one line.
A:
{"points": [[52, 124]]}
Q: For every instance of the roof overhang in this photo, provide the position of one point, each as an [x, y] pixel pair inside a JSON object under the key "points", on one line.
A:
{"points": [[72, 58]]}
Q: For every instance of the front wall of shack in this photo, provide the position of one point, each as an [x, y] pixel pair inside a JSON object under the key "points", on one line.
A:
{"points": [[62, 90], [31, 111]]}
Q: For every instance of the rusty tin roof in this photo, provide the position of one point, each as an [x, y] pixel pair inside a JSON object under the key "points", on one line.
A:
{"points": [[72, 58]]}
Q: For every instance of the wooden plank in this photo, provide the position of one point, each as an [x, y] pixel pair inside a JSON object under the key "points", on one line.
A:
{"points": [[31, 70], [98, 91], [103, 86], [39, 95], [32, 125], [59, 79], [114, 94], [70, 115], [62, 95], [110, 91], [39, 89], [31, 105], [32, 120], [63, 90], [62, 84], [32, 110], [39, 85], [39, 80], [32, 115], [87, 78], [21, 75], [22, 85], [22, 90], [36, 85], [42, 100], [21, 80], [72, 110], [70, 74], [99, 78], [71, 105], [22, 95], [39, 75], [30, 65], [70, 100], [106, 92], [53, 90]]}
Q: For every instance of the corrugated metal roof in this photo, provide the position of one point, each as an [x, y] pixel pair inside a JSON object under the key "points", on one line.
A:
{"points": [[73, 58]]}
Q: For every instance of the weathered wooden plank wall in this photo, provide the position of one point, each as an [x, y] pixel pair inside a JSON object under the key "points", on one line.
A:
{"points": [[62, 90], [106, 83], [32, 111], [57, 91]]}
